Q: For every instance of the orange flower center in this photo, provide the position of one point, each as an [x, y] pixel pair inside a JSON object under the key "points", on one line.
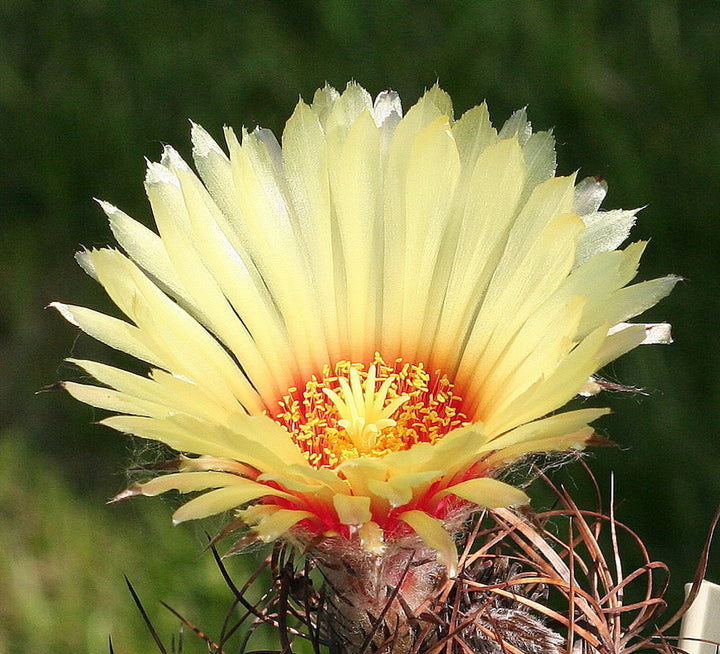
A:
{"points": [[355, 410]]}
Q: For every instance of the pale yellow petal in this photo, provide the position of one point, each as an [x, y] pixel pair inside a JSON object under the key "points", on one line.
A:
{"points": [[532, 354], [359, 472], [111, 400], [183, 211], [395, 223], [322, 482], [564, 443], [400, 489], [148, 250], [540, 160], [323, 101], [250, 440], [515, 294], [432, 175], [278, 523], [217, 501], [259, 341], [347, 108], [619, 343], [487, 492], [188, 482], [268, 228], [116, 333], [174, 393], [352, 509], [178, 338], [558, 388], [598, 279], [473, 132], [439, 99], [355, 172], [389, 477], [236, 272], [487, 212], [266, 433], [633, 300], [306, 167], [215, 170], [551, 427], [434, 535], [547, 201]]}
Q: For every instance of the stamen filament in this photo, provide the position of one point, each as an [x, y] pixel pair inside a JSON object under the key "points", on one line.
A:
{"points": [[344, 414], [362, 412]]}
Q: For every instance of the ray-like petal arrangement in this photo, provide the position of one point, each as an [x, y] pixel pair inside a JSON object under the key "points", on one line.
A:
{"points": [[352, 333]]}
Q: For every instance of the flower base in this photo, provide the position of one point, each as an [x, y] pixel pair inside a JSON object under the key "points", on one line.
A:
{"points": [[372, 600]]}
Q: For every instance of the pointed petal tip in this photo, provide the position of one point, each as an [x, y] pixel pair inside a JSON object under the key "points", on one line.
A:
{"points": [[203, 144], [159, 173], [107, 207], [595, 440], [50, 388], [171, 159], [64, 311], [387, 103], [434, 535], [84, 260], [133, 491]]}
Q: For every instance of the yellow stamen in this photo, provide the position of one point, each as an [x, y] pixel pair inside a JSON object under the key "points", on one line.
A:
{"points": [[364, 414], [344, 415]]}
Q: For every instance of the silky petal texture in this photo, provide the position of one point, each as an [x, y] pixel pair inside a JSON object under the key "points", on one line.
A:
{"points": [[442, 242], [354, 167], [489, 493], [161, 388], [433, 534], [352, 510], [489, 206], [274, 523], [242, 490], [305, 158], [111, 331], [547, 428], [214, 502]]}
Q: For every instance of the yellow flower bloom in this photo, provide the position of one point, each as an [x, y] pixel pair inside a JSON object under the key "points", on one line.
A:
{"points": [[350, 335]]}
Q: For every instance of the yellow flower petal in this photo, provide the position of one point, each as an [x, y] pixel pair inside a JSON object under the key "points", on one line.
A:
{"points": [[217, 501], [399, 489], [186, 482], [434, 535], [278, 523], [488, 493], [554, 426], [352, 509], [111, 331], [362, 316]]}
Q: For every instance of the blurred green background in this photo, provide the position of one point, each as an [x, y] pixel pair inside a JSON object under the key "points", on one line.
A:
{"points": [[89, 88]]}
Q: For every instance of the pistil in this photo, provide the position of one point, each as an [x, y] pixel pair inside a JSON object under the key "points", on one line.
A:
{"points": [[354, 410]]}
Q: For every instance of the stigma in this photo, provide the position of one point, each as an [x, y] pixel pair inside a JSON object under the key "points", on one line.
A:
{"points": [[355, 410]]}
